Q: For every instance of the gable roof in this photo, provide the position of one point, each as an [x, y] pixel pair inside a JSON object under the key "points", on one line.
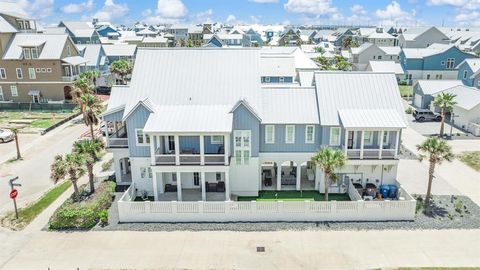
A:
{"points": [[466, 97], [356, 91], [429, 87], [6, 27], [473, 64], [386, 66], [371, 118], [419, 53], [79, 29], [91, 53], [119, 49], [52, 45]]}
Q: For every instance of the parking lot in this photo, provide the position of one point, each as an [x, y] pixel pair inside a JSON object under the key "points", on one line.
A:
{"points": [[429, 128]]}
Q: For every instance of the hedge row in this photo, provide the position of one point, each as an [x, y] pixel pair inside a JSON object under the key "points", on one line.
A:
{"points": [[83, 214]]}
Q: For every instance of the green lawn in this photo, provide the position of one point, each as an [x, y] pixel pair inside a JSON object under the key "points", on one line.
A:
{"points": [[310, 195], [406, 90], [33, 119], [472, 159], [42, 123], [29, 213]]}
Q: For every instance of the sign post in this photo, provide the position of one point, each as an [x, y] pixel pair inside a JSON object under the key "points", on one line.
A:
{"points": [[14, 193]]}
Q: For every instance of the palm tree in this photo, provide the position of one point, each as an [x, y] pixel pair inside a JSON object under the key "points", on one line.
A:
{"points": [[121, 68], [90, 150], [347, 42], [342, 63], [71, 165], [15, 133], [324, 63], [445, 101], [81, 86], [92, 76], [92, 107], [329, 160], [436, 150]]}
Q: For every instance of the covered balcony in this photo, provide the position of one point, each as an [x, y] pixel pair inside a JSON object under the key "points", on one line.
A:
{"points": [[115, 134], [190, 149]]}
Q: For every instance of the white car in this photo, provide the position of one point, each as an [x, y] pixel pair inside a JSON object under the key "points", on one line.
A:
{"points": [[6, 135]]}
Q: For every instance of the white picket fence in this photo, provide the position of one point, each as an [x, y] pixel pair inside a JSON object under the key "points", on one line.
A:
{"points": [[230, 211]]}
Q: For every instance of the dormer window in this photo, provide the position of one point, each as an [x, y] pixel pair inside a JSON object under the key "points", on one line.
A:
{"points": [[26, 53], [30, 53]]}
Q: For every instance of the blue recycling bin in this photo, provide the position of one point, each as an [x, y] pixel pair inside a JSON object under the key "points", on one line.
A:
{"points": [[385, 191], [393, 191]]}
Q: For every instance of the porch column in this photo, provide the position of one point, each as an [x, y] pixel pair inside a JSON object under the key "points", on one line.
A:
{"points": [[381, 144], [397, 143], [155, 187], [204, 191], [299, 172], [115, 127], [345, 142], [202, 150], [179, 186], [152, 150], [177, 150], [227, 185], [279, 176], [362, 143], [107, 139], [162, 184], [226, 148], [158, 144]]}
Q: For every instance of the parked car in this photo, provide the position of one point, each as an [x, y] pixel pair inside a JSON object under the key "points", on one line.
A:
{"points": [[6, 135], [422, 115]]}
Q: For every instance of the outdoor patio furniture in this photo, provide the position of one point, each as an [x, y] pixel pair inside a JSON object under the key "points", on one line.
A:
{"points": [[210, 187], [170, 188], [221, 186], [289, 180]]}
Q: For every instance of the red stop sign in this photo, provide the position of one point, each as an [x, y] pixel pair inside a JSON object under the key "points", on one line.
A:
{"points": [[13, 193]]}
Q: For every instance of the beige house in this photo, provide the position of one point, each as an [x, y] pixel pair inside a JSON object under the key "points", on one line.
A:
{"points": [[35, 67]]}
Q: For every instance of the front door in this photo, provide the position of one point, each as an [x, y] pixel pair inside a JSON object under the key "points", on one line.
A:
{"points": [[35, 98], [351, 139]]}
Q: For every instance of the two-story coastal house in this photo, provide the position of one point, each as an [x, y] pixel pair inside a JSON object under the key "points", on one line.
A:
{"points": [[421, 37], [81, 32], [469, 72], [182, 131], [362, 55]]}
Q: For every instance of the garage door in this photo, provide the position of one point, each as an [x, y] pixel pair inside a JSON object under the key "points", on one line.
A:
{"points": [[417, 101]]}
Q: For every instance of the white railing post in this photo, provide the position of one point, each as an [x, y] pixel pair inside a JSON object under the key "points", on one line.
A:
{"points": [[202, 150], [179, 186], [204, 191], [200, 207], [147, 207], [279, 176], [227, 185], [152, 150], [397, 142], [333, 207], [155, 186], [346, 142], [226, 148], [174, 207], [177, 150], [381, 144], [298, 177], [362, 142], [107, 138]]}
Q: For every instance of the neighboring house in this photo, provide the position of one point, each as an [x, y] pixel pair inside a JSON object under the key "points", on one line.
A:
{"points": [[179, 31], [466, 111], [322, 35], [95, 57], [146, 33], [469, 72], [107, 31], [361, 56], [421, 37], [423, 91], [339, 35], [81, 32], [179, 139], [437, 62], [195, 34], [154, 42], [387, 66], [120, 52], [226, 40], [307, 36], [255, 38], [290, 37], [465, 38], [377, 36]]}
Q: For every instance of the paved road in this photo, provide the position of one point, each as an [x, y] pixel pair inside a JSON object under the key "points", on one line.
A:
{"points": [[237, 250], [8, 150], [34, 169]]}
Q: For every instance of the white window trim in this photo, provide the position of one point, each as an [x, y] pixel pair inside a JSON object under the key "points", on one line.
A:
{"points": [[212, 141], [339, 136], [14, 94], [21, 73], [147, 172], [370, 140], [31, 71], [286, 134], [49, 70], [386, 140], [306, 134], [273, 134], [3, 73], [1, 94], [145, 143], [242, 159], [267, 79], [281, 79]]}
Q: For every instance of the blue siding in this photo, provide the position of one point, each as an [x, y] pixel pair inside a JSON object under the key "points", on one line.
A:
{"points": [[137, 119], [209, 147], [298, 146], [461, 71], [434, 62], [190, 142], [243, 119], [117, 116]]}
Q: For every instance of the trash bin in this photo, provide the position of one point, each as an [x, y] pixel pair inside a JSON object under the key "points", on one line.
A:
{"points": [[385, 191], [393, 191]]}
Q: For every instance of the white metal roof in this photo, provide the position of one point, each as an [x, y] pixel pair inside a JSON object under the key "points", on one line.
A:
{"points": [[119, 49], [79, 29], [418, 53], [429, 87], [91, 53], [52, 48], [391, 50], [75, 60], [356, 90], [386, 66], [473, 63], [157, 39], [118, 96], [278, 66], [289, 106], [306, 78], [190, 118], [6, 27], [466, 97], [196, 76], [365, 118]]}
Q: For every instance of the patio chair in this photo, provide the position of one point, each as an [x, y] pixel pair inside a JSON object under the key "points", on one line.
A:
{"points": [[221, 186]]}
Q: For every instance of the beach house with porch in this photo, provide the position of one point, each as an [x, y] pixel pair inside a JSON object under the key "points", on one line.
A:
{"points": [[195, 140]]}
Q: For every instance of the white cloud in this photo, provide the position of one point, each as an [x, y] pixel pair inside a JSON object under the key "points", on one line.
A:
{"points": [[204, 16], [231, 19], [264, 1], [446, 2], [111, 11], [147, 12], [77, 8], [391, 11], [358, 9], [468, 18], [36, 8], [171, 9], [312, 7], [255, 19]]}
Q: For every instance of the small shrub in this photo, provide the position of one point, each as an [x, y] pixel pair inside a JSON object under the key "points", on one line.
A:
{"points": [[458, 206], [403, 82], [85, 213], [103, 216], [409, 110], [106, 165]]}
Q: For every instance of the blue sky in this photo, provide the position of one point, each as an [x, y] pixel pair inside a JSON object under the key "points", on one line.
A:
{"points": [[380, 12]]}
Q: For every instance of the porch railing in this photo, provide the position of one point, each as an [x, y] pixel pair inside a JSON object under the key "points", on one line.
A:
{"points": [[371, 153], [189, 159]]}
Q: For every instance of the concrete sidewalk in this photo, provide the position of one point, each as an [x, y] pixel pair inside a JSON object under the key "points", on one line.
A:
{"points": [[237, 250]]}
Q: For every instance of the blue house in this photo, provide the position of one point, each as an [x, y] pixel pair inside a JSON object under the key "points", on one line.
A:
{"points": [[469, 72], [104, 30], [437, 62], [255, 38], [81, 32]]}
